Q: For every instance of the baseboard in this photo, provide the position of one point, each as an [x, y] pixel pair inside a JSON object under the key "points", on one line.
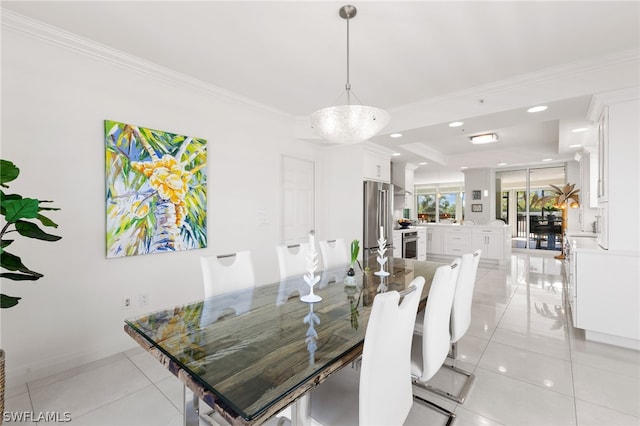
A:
{"points": [[16, 377], [625, 342]]}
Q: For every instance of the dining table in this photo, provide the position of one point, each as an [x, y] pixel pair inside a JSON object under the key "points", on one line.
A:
{"points": [[252, 353]]}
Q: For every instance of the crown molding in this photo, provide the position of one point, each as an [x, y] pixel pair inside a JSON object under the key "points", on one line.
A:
{"points": [[94, 50], [600, 100]]}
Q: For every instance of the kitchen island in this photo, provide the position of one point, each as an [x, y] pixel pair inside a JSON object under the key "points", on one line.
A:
{"points": [[453, 240]]}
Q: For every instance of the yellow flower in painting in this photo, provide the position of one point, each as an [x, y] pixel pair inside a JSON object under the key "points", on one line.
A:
{"points": [[139, 210], [166, 176]]}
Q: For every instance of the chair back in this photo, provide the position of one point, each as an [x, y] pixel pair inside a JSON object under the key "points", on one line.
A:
{"points": [[227, 273], [292, 259], [461, 310], [386, 395], [436, 336], [334, 254]]}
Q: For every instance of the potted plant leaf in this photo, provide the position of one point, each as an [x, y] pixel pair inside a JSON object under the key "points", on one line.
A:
{"points": [[19, 214]]}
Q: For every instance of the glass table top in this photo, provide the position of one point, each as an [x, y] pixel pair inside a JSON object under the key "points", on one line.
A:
{"points": [[252, 348]]}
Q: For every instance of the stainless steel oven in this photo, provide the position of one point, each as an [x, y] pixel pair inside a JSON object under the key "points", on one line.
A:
{"points": [[410, 245]]}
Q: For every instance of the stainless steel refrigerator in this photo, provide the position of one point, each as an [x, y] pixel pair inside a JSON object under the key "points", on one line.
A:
{"points": [[378, 211]]}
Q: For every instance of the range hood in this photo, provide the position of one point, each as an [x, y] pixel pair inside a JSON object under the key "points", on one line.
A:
{"points": [[402, 178]]}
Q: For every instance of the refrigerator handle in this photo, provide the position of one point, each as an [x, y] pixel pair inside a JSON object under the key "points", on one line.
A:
{"points": [[384, 219]]}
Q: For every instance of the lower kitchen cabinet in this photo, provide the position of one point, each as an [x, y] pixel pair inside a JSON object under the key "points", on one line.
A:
{"points": [[603, 291], [456, 240], [422, 243]]}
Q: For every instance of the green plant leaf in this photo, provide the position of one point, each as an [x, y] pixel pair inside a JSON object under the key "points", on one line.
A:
{"points": [[46, 221], [8, 301], [5, 243], [20, 277], [12, 262], [25, 208], [8, 172], [31, 230]]}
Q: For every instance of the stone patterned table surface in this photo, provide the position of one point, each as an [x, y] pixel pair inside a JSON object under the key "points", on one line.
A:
{"points": [[251, 353]]}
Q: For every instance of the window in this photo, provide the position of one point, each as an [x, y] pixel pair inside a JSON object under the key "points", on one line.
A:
{"points": [[447, 205], [426, 207], [441, 201]]}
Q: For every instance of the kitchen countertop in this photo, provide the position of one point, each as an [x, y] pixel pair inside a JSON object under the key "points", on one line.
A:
{"points": [[409, 229]]}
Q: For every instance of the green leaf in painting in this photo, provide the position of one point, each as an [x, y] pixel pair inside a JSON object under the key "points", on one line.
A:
{"points": [[8, 172], [31, 230], [8, 301], [26, 208]]}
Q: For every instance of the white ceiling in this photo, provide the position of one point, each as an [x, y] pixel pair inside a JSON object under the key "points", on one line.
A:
{"points": [[426, 62]]}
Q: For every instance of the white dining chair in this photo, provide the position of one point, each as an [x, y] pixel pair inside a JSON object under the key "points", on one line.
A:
{"points": [[334, 253], [381, 394], [226, 273], [292, 259], [459, 322], [430, 349]]}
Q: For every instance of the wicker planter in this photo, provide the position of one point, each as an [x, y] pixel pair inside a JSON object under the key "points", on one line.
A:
{"points": [[1, 385]]}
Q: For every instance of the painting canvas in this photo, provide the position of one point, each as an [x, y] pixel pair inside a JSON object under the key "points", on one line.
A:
{"points": [[156, 191]]}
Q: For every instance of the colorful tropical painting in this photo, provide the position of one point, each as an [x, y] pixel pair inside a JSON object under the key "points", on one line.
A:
{"points": [[156, 191]]}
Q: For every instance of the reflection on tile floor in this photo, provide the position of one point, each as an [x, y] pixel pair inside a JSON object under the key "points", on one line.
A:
{"points": [[532, 367]]}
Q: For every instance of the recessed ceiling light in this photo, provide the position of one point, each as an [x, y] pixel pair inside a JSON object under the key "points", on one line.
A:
{"points": [[502, 163], [486, 138], [547, 159], [423, 163], [396, 154], [395, 135], [575, 145], [580, 129], [463, 167], [456, 124], [537, 108]]}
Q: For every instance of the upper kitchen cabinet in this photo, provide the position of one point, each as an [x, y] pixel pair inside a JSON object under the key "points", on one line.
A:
{"points": [[617, 114], [376, 165]]}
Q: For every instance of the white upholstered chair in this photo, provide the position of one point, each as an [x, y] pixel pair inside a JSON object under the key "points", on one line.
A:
{"points": [[430, 349], [334, 254], [460, 321], [292, 259], [382, 394], [227, 273]]}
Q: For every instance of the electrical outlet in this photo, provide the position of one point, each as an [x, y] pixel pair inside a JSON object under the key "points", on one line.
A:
{"points": [[126, 303], [143, 299]]}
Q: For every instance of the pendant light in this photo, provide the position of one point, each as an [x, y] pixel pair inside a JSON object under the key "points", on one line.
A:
{"points": [[348, 123]]}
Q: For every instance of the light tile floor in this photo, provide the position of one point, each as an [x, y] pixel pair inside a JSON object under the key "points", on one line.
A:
{"points": [[532, 367]]}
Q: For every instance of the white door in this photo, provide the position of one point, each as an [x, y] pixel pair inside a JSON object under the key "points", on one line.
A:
{"points": [[298, 189]]}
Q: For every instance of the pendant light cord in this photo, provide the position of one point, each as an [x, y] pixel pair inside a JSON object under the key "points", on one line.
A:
{"points": [[348, 85]]}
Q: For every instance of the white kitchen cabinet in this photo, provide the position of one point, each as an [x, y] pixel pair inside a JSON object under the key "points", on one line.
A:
{"points": [[618, 173], [397, 243], [434, 240], [603, 292], [376, 167], [422, 243], [456, 241], [490, 241]]}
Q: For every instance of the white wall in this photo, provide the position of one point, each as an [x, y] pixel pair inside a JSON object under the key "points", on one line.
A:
{"points": [[482, 180], [54, 101]]}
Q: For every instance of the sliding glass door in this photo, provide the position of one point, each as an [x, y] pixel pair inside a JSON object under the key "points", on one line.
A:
{"points": [[533, 226]]}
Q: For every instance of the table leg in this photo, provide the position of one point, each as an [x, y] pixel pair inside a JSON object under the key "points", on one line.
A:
{"points": [[190, 406], [301, 411]]}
